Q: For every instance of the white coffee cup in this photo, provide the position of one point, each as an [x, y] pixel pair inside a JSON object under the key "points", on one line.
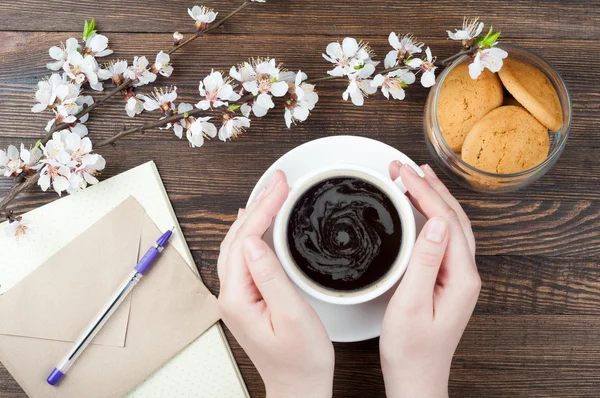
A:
{"points": [[395, 191]]}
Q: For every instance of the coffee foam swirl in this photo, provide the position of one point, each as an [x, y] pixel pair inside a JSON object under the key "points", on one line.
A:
{"points": [[339, 227]]}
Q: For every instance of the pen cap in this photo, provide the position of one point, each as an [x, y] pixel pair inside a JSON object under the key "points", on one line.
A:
{"points": [[54, 377]]}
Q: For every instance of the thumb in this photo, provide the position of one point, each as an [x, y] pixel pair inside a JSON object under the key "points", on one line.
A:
{"points": [[424, 265], [270, 279]]}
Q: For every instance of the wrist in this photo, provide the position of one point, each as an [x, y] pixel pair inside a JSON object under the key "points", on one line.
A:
{"points": [[306, 390]]}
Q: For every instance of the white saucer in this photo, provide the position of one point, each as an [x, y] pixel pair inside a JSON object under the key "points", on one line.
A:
{"points": [[344, 323]]}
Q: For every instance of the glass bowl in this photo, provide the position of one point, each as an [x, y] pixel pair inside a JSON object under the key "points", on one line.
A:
{"points": [[479, 180]]}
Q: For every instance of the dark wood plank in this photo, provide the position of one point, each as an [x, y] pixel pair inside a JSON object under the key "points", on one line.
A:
{"points": [[522, 18]]}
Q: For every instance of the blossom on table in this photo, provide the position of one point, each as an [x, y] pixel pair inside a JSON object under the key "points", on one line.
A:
{"points": [[47, 92], [185, 123], [97, 46], [203, 16], [264, 82], [138, 72], [349, 57], [470, 30], [84, 101], [69, 164], [55, 175], [161, 98], [134, 105], [161, 65], [394, 83], [360, 86], [60, 54], [200, 129], [426, 66], [10, 162], [403, 49], [216, 92], [301, 99], [490, 58], [233, 126], [82, 68], [113, 71], [17, 228]]}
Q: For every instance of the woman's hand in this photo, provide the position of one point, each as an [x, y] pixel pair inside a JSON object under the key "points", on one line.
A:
{"points": [[427, 315], [279, 331]]}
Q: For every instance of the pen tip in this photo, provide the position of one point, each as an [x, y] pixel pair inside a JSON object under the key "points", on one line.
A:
{"points": [[173, 228]]}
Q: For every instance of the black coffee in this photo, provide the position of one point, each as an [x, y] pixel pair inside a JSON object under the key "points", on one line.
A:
{"points": [[344, 233]]}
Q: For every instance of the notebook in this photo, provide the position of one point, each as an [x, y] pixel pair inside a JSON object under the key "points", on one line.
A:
{"points": [[206, 368]]}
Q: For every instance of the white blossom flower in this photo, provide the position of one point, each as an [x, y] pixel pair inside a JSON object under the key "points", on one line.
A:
{"points": [[138, 72], [162, 65], [69, 164], [185, 123], [82, 68], [177, 37], [68, 103], [200, 129], [97, 46], [163, 99], [47, 91], [10, 162], [233, 126], [470, 30], [245, 73], [134, 105], [113, 71], [203, 16], [56, 175], [403, 49], [360, 86], [394, 83], [302, 99], [217, 92], [60, 54], [490, 58], [82, 102], [80, 129], [348, 57], [17, 228], [426, 66], [265, 81]]}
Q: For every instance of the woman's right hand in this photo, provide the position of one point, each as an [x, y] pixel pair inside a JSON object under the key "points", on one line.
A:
{"points": [[429, 311]]}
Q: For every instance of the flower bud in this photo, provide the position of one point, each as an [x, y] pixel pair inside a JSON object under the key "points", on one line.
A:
{"points": [[177, 37]]}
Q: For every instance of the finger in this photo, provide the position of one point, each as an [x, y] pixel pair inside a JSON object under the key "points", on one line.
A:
{"points": [[226, 244], [443, 191], [270, 279], [394, 170], [433, 205], [417, 287], [256, 221]]}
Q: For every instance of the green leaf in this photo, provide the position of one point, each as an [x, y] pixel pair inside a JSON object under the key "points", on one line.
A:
{"points": [[186, 115], [359, 67], [89, 29], [234, 108], [38, 143], [488, 40]]}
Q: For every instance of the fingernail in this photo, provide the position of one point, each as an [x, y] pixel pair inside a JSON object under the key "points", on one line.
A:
{"points": [[240, 212], [254, 248], [410, 169], [430, 172], [436, 229], [275, 181], [397, 163]]}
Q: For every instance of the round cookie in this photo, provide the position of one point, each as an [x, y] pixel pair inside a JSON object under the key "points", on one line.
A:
{"points": [[507, 140], [462, 101], [533, 90]]}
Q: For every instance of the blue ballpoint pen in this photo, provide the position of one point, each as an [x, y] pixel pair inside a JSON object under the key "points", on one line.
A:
{"points": [[109, 308]]}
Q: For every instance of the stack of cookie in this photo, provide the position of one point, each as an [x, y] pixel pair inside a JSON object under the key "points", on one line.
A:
{"points": [[499, 122]]}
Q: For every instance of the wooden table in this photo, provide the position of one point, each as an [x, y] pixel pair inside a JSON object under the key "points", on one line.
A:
{"points": [[536, 328]]}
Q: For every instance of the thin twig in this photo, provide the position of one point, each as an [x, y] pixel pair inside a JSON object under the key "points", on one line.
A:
{"points": [[16, 189], [470, 50]]}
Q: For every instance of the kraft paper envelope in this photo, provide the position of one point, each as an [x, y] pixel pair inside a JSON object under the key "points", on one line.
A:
{"points": [[42, 315]]}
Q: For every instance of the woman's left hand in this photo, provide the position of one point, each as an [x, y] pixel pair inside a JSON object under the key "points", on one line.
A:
{"points": [[279, 331]]}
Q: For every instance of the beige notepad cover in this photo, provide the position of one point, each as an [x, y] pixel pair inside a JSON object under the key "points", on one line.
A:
{"points": [[206, 367]]}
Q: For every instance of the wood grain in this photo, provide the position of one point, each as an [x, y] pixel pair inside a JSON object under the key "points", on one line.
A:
{"points": [[536, 327]]}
